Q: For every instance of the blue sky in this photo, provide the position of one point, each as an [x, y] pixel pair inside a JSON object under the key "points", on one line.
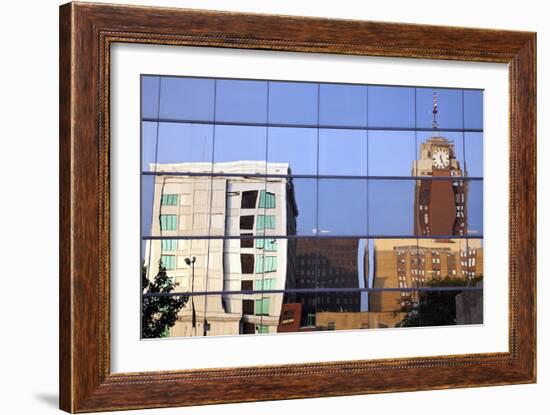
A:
{"points": [[333, 138]]}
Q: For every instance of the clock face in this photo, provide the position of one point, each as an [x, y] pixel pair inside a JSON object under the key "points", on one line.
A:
{"points": [[440, 158]]}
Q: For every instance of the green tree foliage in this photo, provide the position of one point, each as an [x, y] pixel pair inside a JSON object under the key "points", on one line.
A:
{"points": [[158, 314], [436, 308]]}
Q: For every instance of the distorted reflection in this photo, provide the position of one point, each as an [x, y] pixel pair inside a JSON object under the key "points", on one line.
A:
{"points": [[278, 207]]}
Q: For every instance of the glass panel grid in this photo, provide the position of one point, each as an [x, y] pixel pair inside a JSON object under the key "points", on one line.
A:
{"points": [[240, 139]]}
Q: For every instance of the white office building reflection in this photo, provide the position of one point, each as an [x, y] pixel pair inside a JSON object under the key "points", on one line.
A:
{"points": [[231, 201]]}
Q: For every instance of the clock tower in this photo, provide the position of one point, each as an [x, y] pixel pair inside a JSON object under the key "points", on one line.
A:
{"points": [[440, 202]]}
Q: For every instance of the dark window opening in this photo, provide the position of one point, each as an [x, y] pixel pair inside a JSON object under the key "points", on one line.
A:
{"points": [[247, 222], [249, 328], [247, 263], [248, 200], [248, 308], [247, 242]]}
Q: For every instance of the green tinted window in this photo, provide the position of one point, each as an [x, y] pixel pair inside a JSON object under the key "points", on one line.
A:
{"points": [[170, 200], [265, 284], [262, 307], [168, 261], [169, 245], [262, 328], [265, 222], [267, 200], [168, 222], [266, 244]]}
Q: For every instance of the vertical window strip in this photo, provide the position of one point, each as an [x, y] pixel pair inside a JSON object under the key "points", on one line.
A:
{"points": [[270, 264], [168, 222], [169, 245], [259, 264], [265, 264], [168, 261], [267, 244], [265, 222], [267, 200], [271, 245], [169, 200], [262, 328], [265, 284], [262, 307]]}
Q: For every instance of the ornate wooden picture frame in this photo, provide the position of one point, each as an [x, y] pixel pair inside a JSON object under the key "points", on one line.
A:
{"points": [[87, 32]]}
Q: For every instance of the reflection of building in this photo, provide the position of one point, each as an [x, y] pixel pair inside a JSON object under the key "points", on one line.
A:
{"points": [[412, 263], [358, 320], [216, 205], [326, 263], [469, 307], [439, 209], [440, 204]]}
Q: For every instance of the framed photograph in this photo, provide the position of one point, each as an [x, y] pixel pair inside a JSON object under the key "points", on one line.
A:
{"points": [[292, 206]]}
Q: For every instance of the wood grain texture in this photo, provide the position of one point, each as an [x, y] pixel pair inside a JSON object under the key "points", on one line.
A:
{"points": [[86, 33]]}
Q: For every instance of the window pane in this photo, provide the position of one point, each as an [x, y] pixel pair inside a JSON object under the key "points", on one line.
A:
{"points": [[440, 153], [393, 309], [150, 96], [187, 98], [391, 107], [473, 109], [266, 244], [300, 310], [169, 245], [267, 200], [148, 144], [391, 153], [247, 263], [247, 242], [262, 328], [448, 308], [473, 149], [168, 261], [247, 222], [235, 204], [245, 146], [147, 193], [293, 103], [343, 105], [440, 207], [474, 262], [185, 144], [169, 199], [391, 207], [248, 308], [301, 204], [241, 101], [262, 307], [345, 303], [342, 263], [295, 146], [475, 207], [187, 199], [302, 260], [395, 263], [266, 222], [168, 222], [449, 106], [342, 207], [342, 152], [189, 275], [249, 198]]}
